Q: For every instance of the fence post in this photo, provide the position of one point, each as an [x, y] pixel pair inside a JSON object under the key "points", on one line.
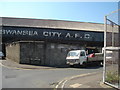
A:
{"points": [[105, 29]]}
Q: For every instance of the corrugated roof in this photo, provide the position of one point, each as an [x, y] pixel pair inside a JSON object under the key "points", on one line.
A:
{"points": [[57, 24]]}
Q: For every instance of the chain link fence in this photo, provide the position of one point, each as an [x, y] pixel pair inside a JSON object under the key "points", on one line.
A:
{"points": [[112, 50]]}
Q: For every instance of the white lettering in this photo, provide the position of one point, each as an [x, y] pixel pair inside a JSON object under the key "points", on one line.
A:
{"points": [[59, 34], [45, 34], [87, 36], [24, 33], [14, 32], [19, 32], [30, 33], [35, 33], [68, 35], [77, 35], [51, 34], [8, 32]]}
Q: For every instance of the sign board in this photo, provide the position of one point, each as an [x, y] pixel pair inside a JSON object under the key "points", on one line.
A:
{"points": [[29, 33]]}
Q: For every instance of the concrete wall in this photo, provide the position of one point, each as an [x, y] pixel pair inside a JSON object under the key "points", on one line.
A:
{"points": [[13, 52], [56, 53], [40, 53]]}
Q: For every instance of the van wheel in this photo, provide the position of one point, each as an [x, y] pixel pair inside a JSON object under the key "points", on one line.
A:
{"points": [[84, 64], [71, 65]]}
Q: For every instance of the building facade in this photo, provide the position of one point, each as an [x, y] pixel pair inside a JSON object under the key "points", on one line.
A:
{"points": [[47, 42]]}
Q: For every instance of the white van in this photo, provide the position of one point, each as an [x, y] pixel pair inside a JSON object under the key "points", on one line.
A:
{"points": [[76, 57], [80, 57]]}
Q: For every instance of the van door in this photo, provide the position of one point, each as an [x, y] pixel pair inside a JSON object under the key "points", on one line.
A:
{"points": [[83, 57]]}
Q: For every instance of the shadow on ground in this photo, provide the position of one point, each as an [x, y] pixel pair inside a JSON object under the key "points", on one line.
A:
{"points": [[88, 66]]}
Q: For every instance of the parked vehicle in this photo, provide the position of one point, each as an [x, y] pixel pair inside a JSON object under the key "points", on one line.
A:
{"points": [[1, 55], [80, 57]]}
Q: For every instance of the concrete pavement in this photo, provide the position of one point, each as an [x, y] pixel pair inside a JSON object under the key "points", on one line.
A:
{"points": [[85, 81], [93, 80]]}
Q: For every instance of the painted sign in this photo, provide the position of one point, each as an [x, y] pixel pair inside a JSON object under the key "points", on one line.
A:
{"points": [[50, 34]]}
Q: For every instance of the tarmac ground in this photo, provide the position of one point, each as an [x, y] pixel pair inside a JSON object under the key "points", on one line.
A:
{"points": [[89, 80]]}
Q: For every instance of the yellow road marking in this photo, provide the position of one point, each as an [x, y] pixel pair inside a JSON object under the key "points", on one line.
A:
{"points": [[76, 85], [65, 80]]}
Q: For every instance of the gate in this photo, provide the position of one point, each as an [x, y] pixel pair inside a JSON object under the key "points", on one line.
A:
{"points": [[111, 74], [36, 56], [32, 52]]}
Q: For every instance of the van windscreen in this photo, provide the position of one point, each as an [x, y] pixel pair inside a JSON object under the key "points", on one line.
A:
{"points": [[73, 54]]}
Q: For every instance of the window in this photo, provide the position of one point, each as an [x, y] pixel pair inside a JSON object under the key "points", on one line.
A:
{"points": [[82, 54]]}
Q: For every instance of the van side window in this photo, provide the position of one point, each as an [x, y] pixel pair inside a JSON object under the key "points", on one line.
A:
{"points": [[82, 54]]}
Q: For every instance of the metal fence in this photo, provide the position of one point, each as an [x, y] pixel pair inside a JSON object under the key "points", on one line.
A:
{"points": [[112, 50]]}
